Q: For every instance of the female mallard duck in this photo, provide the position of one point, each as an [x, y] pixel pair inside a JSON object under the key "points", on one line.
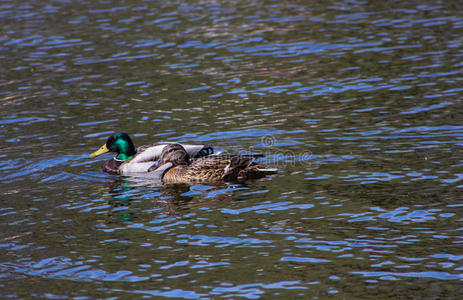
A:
{"points": [[138, 160], [178, 168]]}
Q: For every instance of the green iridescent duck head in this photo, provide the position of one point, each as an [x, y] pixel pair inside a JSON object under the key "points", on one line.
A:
{"points": [[119, 143]]}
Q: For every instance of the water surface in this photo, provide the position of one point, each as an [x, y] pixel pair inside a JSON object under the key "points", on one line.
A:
{"points": [[357, 104]]}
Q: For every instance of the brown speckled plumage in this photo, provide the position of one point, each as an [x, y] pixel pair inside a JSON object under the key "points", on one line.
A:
{"points": [[212, 168]]}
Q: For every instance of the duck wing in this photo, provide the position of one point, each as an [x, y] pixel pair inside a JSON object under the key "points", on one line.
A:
{"points": [[153, 152], [148, 153], [158, 174], [221, 167], [222, 160], [235, 165]]}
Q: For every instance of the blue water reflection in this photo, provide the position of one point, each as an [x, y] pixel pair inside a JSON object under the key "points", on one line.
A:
{"points": [[357, 104]]}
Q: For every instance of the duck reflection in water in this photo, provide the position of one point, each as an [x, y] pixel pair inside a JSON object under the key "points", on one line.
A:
{"points": [[172, 199]]}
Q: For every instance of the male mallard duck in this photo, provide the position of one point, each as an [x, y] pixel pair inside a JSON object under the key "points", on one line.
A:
{"points": [[138, 160], [178, 168]]}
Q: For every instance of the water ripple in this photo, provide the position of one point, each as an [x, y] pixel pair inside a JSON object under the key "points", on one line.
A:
{"points": [[355, 103]]}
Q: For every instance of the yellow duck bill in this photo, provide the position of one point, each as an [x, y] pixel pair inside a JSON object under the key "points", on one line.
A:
{"points": [[103, 149]]}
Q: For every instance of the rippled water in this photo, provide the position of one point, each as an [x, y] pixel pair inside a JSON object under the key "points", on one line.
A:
{"points": [[358, 104]]}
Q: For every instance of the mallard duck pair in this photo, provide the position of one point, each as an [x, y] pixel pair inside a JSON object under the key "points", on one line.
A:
{"points": [[177, 163]]}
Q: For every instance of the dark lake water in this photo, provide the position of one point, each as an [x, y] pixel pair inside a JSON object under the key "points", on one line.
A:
{"points": [[357, 103]]}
